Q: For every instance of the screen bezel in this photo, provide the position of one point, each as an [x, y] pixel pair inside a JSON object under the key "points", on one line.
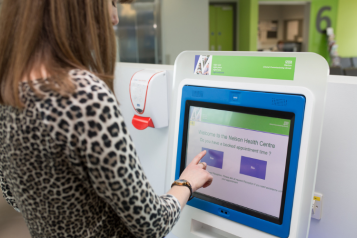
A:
{"points": [[248, 110]]}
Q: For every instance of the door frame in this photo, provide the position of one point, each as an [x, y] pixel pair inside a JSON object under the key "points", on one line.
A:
{"points": [[234, 5]]}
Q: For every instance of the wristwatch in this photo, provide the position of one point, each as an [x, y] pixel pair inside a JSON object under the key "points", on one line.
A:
{"points": [[183, 182]]}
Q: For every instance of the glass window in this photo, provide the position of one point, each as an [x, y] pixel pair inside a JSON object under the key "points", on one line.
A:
{"points": [[138, 32]]}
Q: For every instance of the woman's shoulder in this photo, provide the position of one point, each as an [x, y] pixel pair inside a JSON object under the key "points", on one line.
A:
{"points": [[83, 80], [90, 88], [91, 95], [86, 80]]}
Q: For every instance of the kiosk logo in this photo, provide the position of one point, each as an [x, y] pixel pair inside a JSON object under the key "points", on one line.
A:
{"points": [[288, 63], [196, 114], [203, 64]]}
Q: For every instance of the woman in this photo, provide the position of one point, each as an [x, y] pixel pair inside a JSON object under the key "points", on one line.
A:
{"points": [[67, 161]]}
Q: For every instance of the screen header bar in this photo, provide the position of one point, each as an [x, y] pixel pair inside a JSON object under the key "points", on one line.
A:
{"points": [[242, 120]]}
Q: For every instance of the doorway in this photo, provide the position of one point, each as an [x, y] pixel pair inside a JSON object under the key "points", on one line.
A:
{"points": [[283, 26], [222, 26]]}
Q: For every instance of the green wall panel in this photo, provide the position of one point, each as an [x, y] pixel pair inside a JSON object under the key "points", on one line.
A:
{"points": [[346, 32], [244, 25], [248, 25]]}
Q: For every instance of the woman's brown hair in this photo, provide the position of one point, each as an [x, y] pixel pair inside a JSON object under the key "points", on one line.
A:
{"points": [[58, 35]]}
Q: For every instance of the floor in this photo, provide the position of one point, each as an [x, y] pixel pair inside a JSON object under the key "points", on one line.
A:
{"points": [[12, 225]]}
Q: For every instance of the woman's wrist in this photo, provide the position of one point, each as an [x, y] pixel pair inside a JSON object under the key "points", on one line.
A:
{"points": [[181, 193], [184, 183]]}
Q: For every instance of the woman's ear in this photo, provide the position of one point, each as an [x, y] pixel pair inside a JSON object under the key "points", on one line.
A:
{"points": [[113, 10]]}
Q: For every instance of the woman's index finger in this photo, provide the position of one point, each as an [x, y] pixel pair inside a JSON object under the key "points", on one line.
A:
{"points": [[198, 157]]}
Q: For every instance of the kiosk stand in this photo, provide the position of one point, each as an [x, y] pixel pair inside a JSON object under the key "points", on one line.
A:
{"points": [[259, 117]]}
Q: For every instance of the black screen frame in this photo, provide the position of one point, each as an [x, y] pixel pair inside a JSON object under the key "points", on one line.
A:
{"points": [[248, 110]]}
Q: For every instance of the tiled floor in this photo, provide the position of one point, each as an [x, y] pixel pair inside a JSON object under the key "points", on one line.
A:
{"points": [[12, 225]]}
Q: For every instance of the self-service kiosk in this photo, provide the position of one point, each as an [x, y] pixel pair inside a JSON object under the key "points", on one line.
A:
{"points": [[259, 117]]}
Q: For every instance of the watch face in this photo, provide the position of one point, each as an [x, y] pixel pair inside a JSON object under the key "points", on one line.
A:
{"points": [[181, 181]]}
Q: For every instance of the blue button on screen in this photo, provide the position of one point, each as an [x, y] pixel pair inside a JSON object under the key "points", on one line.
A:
{"points": [[253, 167], [235, 96], [213, 158]]}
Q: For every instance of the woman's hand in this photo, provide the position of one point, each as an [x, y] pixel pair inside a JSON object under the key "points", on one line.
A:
{"points": [[196, 173]]}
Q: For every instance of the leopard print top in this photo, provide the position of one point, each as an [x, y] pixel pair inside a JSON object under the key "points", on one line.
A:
{"points": [[70, 166]]}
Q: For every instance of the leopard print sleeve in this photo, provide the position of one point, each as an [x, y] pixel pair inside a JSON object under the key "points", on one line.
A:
{"points": [[4, 185], [98, 140], [6, 191]]}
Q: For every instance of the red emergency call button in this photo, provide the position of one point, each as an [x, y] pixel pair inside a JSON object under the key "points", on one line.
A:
{"points": [[141, 123]]}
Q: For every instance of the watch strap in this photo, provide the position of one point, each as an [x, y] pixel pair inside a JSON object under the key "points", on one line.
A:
{"points": [[182, 182]]}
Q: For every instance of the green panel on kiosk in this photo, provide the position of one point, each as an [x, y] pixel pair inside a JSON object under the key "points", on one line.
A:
{"points": [[282, 68]]}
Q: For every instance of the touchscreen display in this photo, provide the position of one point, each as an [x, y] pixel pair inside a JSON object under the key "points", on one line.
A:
{"points": [[247, 155]]}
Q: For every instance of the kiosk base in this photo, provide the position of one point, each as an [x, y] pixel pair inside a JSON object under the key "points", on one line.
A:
{"points": [[206, 231], [195, 223]]}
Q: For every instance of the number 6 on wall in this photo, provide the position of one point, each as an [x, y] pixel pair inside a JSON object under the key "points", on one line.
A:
{"points": [[320, 18]]}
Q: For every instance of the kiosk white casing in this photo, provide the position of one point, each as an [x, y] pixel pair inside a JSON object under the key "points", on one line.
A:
{"points": [[310, 78]]}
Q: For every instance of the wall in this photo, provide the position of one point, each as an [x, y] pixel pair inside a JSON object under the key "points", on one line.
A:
{"points": [[185, 26], [346, 32], [317, 41], [293, 12], [321, 10]]}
